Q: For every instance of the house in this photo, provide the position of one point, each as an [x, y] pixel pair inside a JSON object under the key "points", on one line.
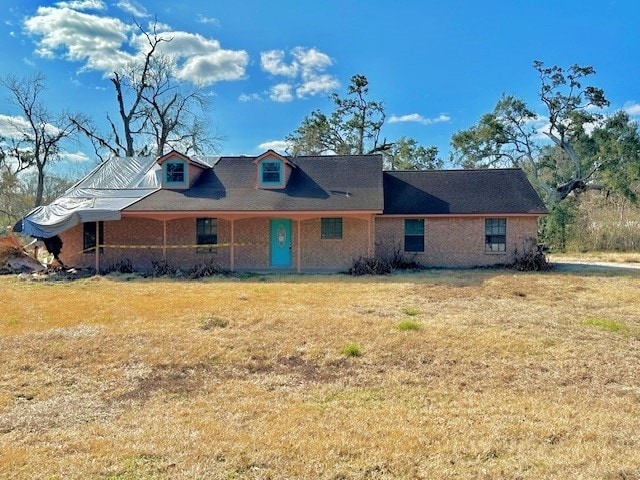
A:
{"points": [[274, 212]]}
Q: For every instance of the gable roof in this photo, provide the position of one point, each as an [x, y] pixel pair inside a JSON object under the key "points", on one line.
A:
{"points": [[327, 183], [339, 183], [461, 192]]}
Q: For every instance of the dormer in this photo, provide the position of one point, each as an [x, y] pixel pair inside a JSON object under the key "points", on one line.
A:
{"points": [[178, 170], [274, 170]]}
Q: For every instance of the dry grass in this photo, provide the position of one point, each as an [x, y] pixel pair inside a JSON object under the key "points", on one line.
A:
{"points": [[509, 376]]}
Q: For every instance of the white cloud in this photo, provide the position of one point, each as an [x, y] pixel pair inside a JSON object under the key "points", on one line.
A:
{"points": [[75, 157], [133, 7], [417, 118], [15, 127], [311, 60], [632, 108], [281, 93], [12, 126], [207, 20], [94, 40], [306, 71], [82, 4], [316, 85], [273, 62], [280, 146], [249, 97], [218, 66], [107, 44]]}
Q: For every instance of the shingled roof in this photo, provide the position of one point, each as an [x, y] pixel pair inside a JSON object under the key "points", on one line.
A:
{"points": [[328, 183], [462, 192]]}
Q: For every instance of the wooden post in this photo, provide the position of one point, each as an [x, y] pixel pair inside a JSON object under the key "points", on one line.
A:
{"points": [[299, 245], [164, 240], [369, 247], [232, 261], [98, 240]]}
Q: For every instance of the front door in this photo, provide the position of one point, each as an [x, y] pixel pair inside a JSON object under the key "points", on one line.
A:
{"points": [[280, 242]]}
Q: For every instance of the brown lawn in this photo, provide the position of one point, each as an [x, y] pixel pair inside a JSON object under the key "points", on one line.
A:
{"points": [[496, 375]]}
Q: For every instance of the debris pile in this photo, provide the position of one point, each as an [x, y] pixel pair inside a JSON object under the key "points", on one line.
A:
{"points": [[14, 257]]}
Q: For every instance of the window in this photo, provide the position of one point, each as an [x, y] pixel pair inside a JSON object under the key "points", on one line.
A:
{"points": [[414, 235], [206, 234], [271, 172], [331, 228], [89, 236], [175, 172], [495, 235]]}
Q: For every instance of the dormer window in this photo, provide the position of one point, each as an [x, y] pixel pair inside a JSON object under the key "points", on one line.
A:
{"points": [[175, 173], [271, 172]]}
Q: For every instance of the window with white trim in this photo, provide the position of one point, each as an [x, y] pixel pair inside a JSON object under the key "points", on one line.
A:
{"points": [[175, 173], [271, 172], [495, 235]]}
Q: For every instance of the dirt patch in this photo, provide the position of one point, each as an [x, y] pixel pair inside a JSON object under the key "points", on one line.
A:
{"points": [[168, 379]]}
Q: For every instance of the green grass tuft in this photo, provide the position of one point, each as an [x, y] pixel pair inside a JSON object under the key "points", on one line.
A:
{"points": [[411, 311], [606, 324], [407, 325], [351, 350]]}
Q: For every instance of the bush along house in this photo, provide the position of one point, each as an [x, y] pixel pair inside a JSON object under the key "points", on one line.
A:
{"points": [[281, 213]]}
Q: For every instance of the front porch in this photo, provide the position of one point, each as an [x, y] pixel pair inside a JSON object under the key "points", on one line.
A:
{"points": [[318, 242]]}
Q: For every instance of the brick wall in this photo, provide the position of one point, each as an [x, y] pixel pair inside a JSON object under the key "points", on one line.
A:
{"points": [[454, 241], [337, 254], [449, 242]]}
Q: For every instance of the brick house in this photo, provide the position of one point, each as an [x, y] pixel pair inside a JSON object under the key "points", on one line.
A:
{"points": [[274, 212]]}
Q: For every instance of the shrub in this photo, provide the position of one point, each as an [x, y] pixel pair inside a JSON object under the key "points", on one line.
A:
{"points": [[371, 266], [123, 266], [532, 259], [162, 268], [351, 350], [407, 325], [399, 262], [205, 269]]}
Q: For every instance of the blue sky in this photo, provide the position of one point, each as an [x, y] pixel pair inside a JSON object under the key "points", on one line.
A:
{"points": [[436, 65]]}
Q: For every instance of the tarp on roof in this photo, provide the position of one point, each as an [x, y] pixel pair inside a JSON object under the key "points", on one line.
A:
{"points": [[101, 195]]}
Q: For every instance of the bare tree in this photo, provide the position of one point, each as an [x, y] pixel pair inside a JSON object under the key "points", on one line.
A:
{"points": [[39, 133], [155, 110], [170, 110]]}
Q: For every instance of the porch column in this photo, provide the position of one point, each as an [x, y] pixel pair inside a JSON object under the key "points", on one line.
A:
{"points": [[299, 249], [232, 261], [370, 238], [164, 240], [98, 240]]}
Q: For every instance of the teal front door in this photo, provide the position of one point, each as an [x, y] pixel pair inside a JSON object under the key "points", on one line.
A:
{"points": [[280, 242]]}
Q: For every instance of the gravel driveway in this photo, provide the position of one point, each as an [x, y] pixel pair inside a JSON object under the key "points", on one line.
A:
{"points": [[566, 265]]}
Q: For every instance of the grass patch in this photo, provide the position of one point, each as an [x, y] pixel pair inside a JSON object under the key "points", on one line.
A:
{"points": [[607, 324], [411, 311], [407, 325], [107, 379], [351, 350], [213, 322]]}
